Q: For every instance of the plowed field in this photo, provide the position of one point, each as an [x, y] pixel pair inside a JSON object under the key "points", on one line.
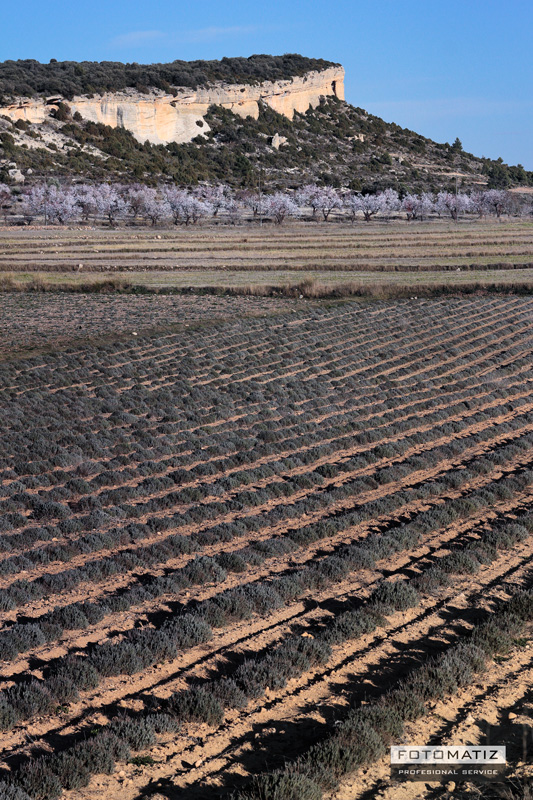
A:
{"points": [[246, 556]]}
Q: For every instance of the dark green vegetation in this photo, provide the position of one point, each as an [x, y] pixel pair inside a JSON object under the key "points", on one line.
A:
{"points": [[30, 78], [336, 144], [322, 145], [246, 513]]}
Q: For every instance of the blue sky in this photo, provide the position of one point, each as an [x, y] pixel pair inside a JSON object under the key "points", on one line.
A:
{"points": [[444, 68]]}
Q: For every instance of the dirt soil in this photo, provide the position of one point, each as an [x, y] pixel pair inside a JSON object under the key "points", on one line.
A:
{"points": [[428, 402], [41, 322]]}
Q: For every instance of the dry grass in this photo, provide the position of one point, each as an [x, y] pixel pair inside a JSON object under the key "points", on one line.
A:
{"points": [[40, 283], [315, 261], [338, 247], [311, 289], [377, 291]]}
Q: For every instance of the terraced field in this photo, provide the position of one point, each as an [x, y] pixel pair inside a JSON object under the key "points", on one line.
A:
{"points": [[244, 559], [338, 247]]}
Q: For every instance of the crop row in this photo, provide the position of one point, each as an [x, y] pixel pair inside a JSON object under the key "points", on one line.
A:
{"points": [[206, 446], [365, 734], [45, 777], [23, 636], [162, 438], [23, 591], [238, 451], [338, 341], [142, 648], [391, 447], [119, 356], [87, 445], [22, 440], [294, 655]]}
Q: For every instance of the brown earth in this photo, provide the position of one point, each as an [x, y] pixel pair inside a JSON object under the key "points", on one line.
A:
{"points": [[343, 360]]}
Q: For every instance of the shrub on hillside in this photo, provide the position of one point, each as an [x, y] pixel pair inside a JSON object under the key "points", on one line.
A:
{"points": [[29, 699], [231, 562], [155, 645], [62, 688], [263, 597], [350, 625], [188, 631], [162, 723], [521, 606], [494, 637], [407, 702], [459, 562], [69, 617], [388, 722], [69, 769], [228, 693], [117, 658], [8, 714], [25, 636], [431, 580], [327, 762], [100, 753], [204, 570]]}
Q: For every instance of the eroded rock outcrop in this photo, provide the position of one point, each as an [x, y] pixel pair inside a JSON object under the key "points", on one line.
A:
{"points": [[162, 118]]}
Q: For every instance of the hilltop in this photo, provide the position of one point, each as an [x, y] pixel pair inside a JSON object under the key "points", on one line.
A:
{"points": [[30, 78], [278, 120]]}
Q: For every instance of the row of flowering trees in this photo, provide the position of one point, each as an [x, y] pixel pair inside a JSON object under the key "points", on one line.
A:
{"points": [[114, 202]]}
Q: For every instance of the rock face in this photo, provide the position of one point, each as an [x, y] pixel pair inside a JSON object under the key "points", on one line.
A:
{"points": [[16, 175], [277, 141], [162, 118]]}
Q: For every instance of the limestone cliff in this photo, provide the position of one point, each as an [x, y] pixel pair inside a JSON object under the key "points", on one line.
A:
{"points": [[162, 118]]}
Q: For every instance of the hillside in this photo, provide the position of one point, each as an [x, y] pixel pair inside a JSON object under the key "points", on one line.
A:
{"points": [[281, 121], [30, 78]]}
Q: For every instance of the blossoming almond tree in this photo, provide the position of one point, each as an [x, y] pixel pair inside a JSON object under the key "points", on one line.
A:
{"points": [[452, 203], [279, 206]]}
